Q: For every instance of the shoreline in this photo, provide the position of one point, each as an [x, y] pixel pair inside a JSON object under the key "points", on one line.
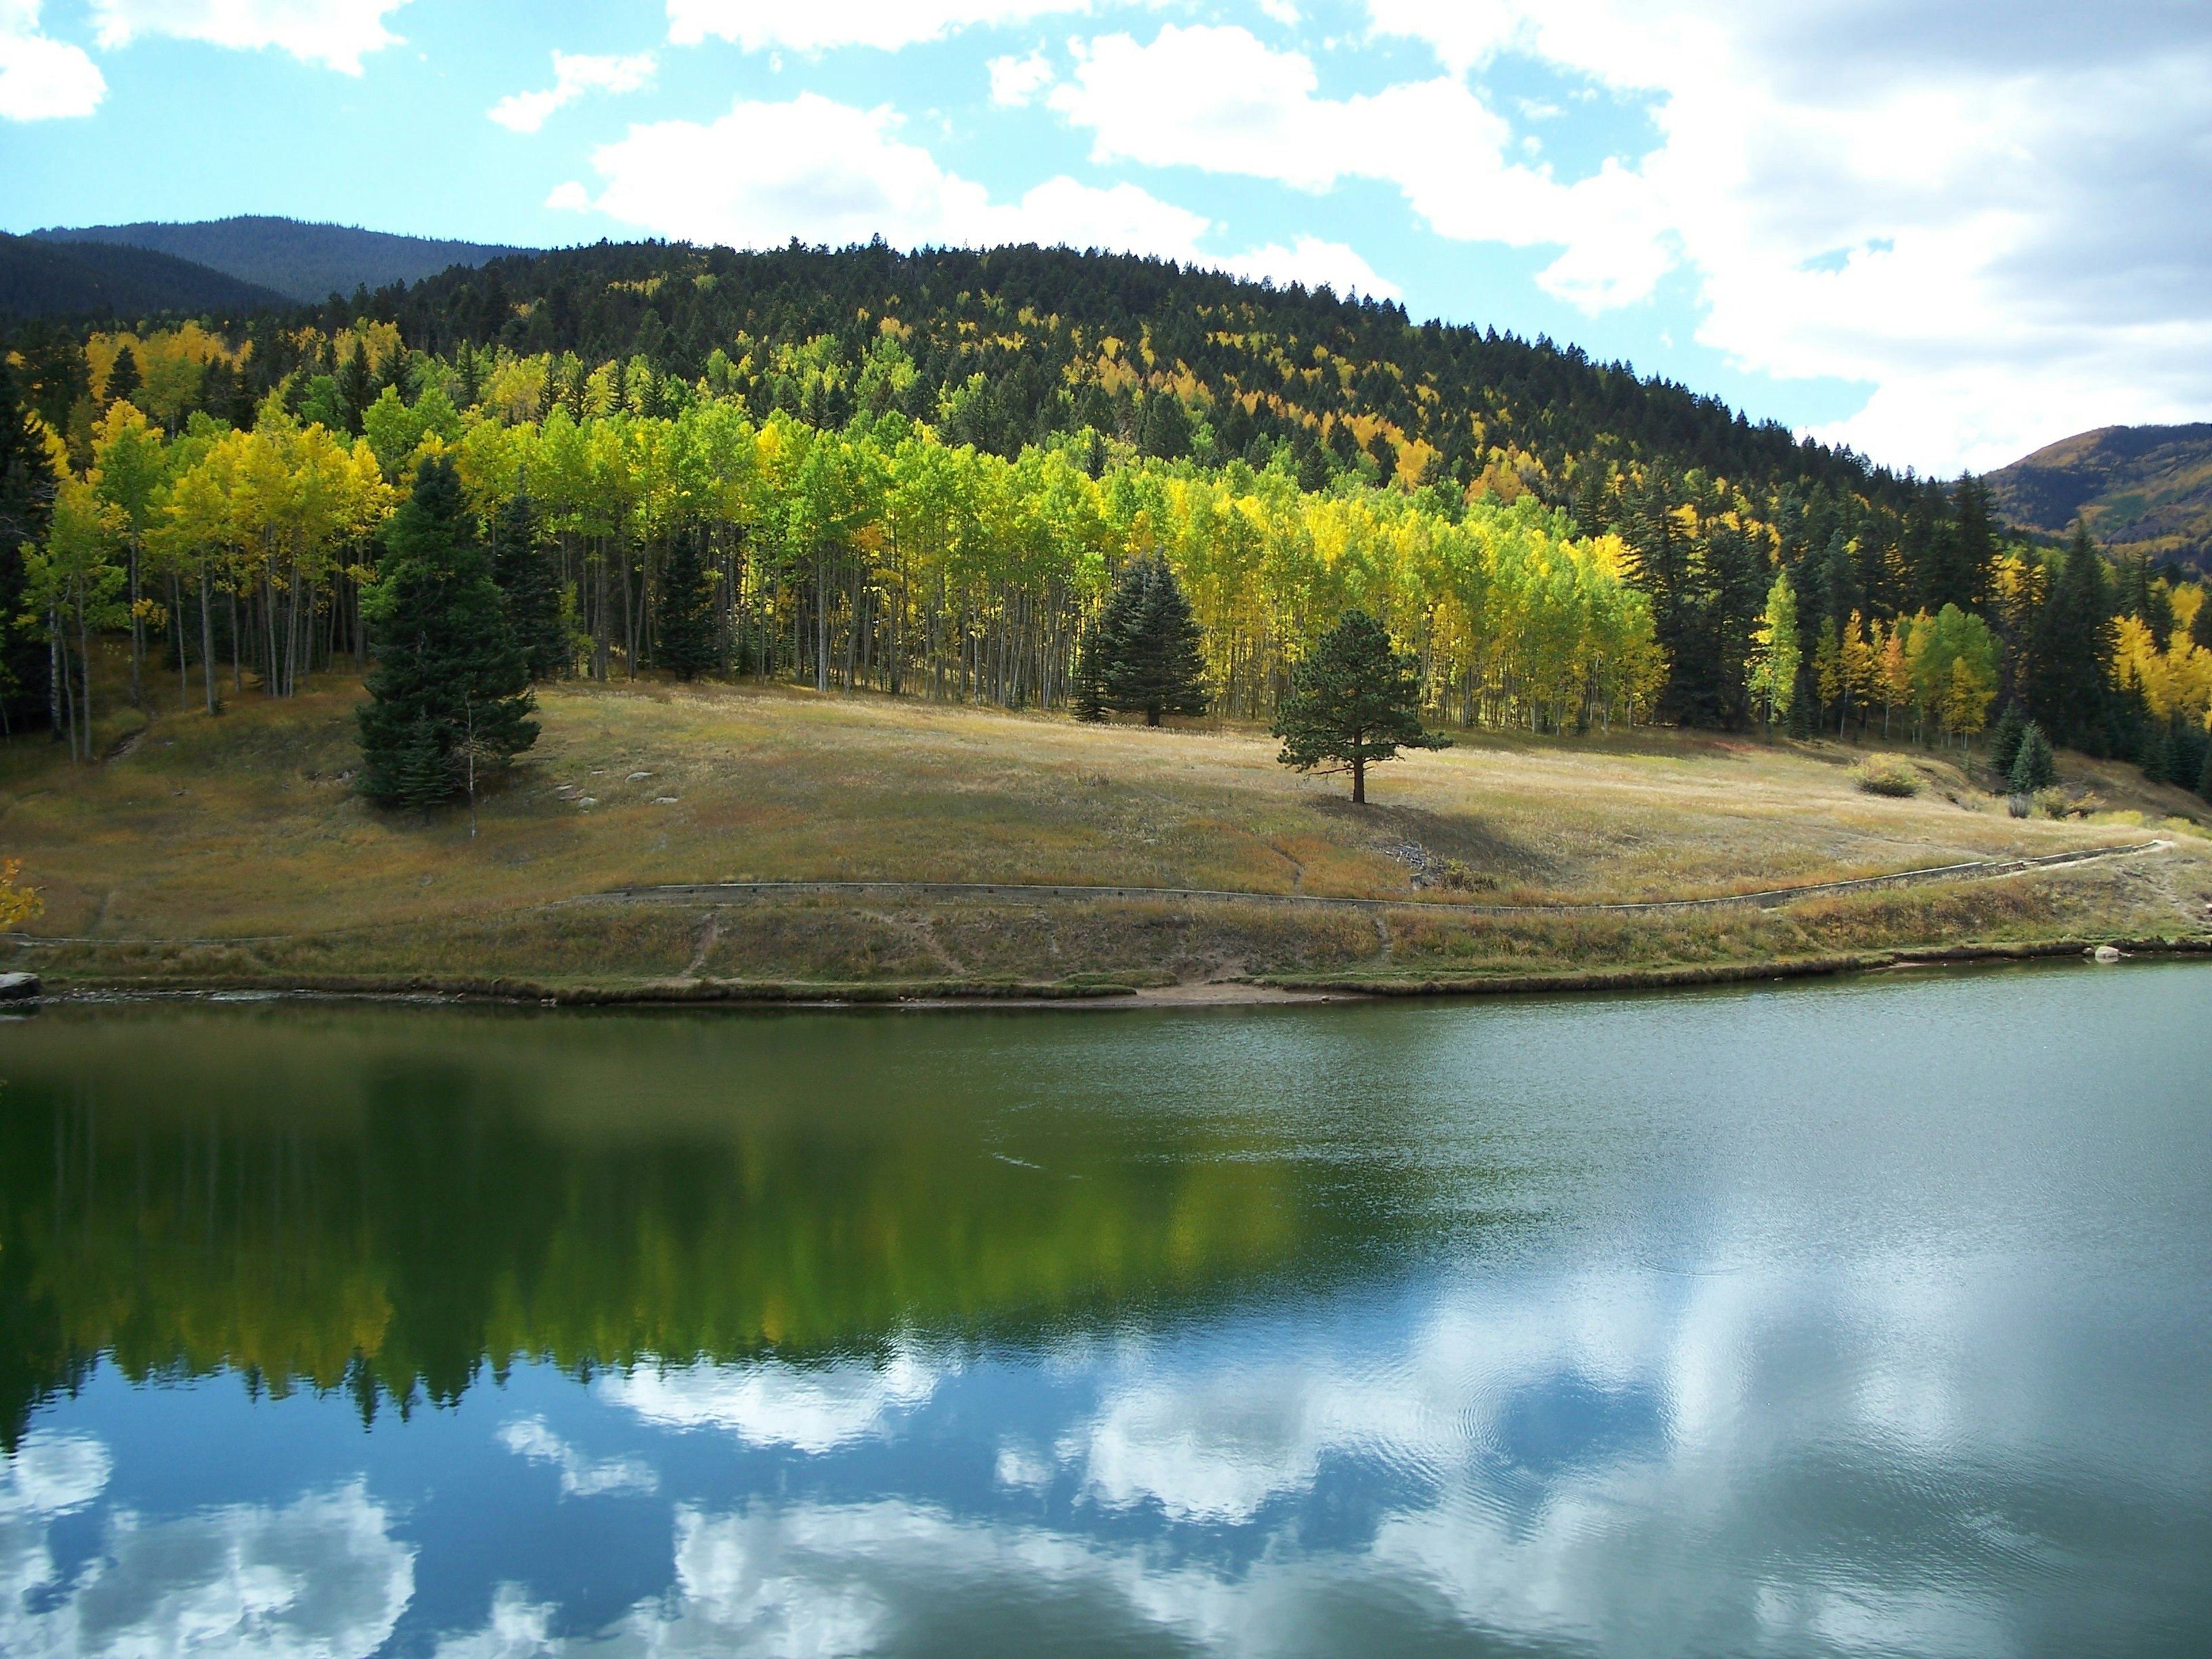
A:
{"points": [[1275, 990]]}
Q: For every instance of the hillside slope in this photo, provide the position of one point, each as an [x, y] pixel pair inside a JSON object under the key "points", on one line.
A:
{"points": [[40, 279], [2139, 489], [1004, 346], [303, 262]]}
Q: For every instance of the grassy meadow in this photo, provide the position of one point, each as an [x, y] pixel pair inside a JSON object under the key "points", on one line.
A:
{"points": [[232, 850]]}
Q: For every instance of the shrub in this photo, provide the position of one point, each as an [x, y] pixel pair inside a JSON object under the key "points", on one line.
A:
{"points": [[1458, 877], [1886, 774]]}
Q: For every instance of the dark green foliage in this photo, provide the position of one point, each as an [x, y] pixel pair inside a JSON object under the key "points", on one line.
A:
{"points": [[1355, 701], [1167, 427], [2069, 688], [2034, 766], [42, 278], [2005, 739], [356, 386], [27, 506], [1146, 646], [2200, 629], [1089, 677], [2178, 755], [685, 641], [449, 678], [305, 261], [525, 575], [123, 380], [2204, 776]]}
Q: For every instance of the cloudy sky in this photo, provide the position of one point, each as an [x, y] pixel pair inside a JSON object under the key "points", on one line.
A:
{"points": [[1945, 234]]}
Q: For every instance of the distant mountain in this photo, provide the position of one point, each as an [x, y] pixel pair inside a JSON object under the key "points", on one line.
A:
{"points": [[40, 279], [2139, 489], [308, 262]]}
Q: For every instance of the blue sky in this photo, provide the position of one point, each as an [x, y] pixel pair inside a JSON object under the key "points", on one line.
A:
{"points": [[1945, 236]]}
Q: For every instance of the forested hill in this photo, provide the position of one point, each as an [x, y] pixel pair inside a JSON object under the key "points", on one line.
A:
{"points": [[38, 279], [2141, 490], [1760, 577], [303, 262], [1064, 339]]}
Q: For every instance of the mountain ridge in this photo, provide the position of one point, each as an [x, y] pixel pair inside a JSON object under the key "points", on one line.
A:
{"points": [[2142, 490], [40, 279], [304, 261]]}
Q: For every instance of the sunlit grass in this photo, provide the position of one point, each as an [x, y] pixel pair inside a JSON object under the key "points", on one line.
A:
{"points": [[245, 827]]}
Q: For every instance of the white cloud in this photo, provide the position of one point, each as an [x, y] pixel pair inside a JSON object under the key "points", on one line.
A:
{"points": [[1315, 263], [572, 77], [886, 24], [533, 1438], [40, 79], [1993, 215], [827, 173], [1016, 81], [1220, 100], [335, 33]]}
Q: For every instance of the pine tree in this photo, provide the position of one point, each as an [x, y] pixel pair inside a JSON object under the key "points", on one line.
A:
{"points": [[2034, 767], [1149, 660], [2069, 687], [1090, 678], [448, 673], [2005, 739], [525, 575], [357, 386], [684, 615], [123, 378], [1167, 427], [2204, 776], [26, 508], [1354, 701], [2185, 760]]}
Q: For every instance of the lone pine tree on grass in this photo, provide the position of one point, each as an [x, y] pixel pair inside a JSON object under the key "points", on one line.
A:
{"points": [[449, 696], [1355, 701], [1142, 655]]}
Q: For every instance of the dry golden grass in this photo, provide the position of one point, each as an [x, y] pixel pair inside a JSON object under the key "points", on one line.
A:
{"points": [[243, 832]]}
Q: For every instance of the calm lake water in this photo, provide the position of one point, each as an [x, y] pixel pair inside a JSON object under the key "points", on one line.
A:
{"points": [[1865, 1317]]}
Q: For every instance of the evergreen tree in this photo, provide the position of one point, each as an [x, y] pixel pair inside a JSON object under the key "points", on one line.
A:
{"points": [[1167, 427], [1149, 661], [2186, 745], [2200, 629], [2204, 775], [2005, 739], [123, 378], [525, 575], [449, 679], [2034, 766], [26, 508], [1089, 677], [1354, 701], [684, 615], [357, 386], [2068, 684]]}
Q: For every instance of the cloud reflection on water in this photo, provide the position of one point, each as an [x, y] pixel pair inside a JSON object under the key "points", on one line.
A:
{"points": [[321, 1577], [1786, 1462]]}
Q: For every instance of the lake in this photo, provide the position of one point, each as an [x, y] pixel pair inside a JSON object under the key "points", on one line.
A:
{"points": [[1857, 1317]]}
